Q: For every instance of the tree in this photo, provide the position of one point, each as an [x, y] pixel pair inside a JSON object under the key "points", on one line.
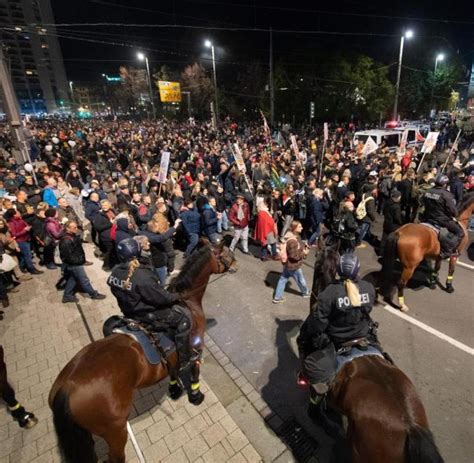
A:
{"points": [[134, 85], [195, 80]]}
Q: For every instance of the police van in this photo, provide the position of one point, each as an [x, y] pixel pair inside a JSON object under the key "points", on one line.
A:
{"points": [[392, 137]]}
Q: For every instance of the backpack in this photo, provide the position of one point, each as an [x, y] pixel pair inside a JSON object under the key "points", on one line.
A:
{"points": [[284, 252], [361, 211]]}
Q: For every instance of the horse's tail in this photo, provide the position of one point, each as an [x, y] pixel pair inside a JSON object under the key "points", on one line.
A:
{"points": [[420, 446], [76, 443], [388, 263]]}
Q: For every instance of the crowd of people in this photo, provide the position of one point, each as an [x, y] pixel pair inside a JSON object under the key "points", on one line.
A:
{"points": [[97, 181]]}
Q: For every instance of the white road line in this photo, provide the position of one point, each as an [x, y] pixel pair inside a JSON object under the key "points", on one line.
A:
{"points": [[137, 448], [462, 264], [423, 326]]}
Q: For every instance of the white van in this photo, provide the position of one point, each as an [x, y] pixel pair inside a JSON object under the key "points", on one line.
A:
{"points": [[391, 138]]}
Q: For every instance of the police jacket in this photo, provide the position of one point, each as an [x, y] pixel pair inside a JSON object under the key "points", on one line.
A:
{"points": [[142, 294], [336, 317], [440, 206]]}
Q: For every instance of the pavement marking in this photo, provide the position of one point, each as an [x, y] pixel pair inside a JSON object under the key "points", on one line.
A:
{"points": [[462, 264], [423, 326], [137, 448]]}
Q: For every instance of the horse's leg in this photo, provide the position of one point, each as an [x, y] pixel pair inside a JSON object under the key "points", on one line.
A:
{"points": [[407, 273], [116, 439], [449, 280], [174, 388], [24, 418], [435, 273], [195, 396]]}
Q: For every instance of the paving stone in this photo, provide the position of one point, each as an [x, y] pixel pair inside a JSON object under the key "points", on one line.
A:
{"points": [[176, 457], [195, 426], [228, 424], [156, 452], [238, 440], [27, 453], [237, 458], [251, 454], [216, 412], [178, 418], [216, 455], [195, 448], [158, 430], [176, 439], [214, 434]]}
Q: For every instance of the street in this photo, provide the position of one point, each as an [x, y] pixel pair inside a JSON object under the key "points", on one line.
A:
{"points": [[259, 337]]}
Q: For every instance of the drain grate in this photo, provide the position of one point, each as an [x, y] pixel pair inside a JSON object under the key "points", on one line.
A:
{"points": [[299, 441]]}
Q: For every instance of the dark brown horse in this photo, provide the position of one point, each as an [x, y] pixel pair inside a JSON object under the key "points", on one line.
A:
{"points": [[94, 391], [386, 418], [412, 243]]}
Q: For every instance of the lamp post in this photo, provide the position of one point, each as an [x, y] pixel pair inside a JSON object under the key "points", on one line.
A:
{"points": [[407, 35], [439, 57], [142, 57], [210, 45]]}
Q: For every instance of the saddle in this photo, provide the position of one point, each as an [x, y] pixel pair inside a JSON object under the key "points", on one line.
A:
{"points": [[157, 346], [447, 240], [356, 348]]}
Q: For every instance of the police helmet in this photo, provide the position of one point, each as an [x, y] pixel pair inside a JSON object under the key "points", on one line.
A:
{"points": [[442, 180], [349, 266], [128, 249]]}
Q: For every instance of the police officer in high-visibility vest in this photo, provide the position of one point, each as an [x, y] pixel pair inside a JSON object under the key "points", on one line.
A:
{"points": [[341, 315], [141, 297]]}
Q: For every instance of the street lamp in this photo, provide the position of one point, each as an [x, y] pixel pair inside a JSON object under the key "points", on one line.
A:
{"points": [[439, 57], [210, 45], [407, 35], [142, 57]]}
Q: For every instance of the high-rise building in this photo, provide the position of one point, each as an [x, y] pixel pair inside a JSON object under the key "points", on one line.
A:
{"points": [[34, 56]]}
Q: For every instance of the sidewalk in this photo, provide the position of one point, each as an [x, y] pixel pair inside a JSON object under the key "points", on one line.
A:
{"points": [[40, 334]]}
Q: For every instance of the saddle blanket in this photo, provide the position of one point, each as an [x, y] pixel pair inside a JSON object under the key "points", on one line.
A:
{"points": [[152, 354], [433, 227], [355, 353]]}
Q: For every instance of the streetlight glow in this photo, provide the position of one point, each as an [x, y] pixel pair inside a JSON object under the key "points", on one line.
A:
{"points": [[140, 56], [440, 57], [208, 43], [409, 34]]}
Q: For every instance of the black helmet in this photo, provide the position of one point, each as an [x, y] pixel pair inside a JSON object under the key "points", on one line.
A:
{"points": [[128, 249], [441, 180], [349, 266]]}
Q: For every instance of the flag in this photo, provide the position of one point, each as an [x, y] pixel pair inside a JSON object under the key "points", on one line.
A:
{"points": [[326, 132], [275, 176], [403, 143], [419, 137], [369, 147], [430, 142], [266, 128]]}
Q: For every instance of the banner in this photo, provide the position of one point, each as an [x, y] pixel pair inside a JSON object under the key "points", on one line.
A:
{"points": [[165, 161], [403, 143], [326, 132], [294, 145], [430, 142], [239, 160], [170, 92], [369, 147]]}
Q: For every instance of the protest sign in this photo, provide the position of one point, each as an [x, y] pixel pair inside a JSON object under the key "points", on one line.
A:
{"points": [[239, 160], [369, 147], [170, 92], [430, 142], [165, 160]]}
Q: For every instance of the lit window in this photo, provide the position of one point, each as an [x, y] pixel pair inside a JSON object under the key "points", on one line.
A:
{"points": [[29, 72], [44, 45], [18, 28]]}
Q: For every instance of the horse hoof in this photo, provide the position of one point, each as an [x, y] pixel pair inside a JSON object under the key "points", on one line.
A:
{"points": [[433, 285], [450, 289], [175, 391], [32, 421], [196, 398], [404, 308]]}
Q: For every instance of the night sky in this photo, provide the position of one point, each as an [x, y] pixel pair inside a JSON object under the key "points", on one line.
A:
{"points": [[438, 26]]}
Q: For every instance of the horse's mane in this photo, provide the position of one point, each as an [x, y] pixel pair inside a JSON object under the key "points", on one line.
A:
{"points": [[190, 270], [466, 202]]}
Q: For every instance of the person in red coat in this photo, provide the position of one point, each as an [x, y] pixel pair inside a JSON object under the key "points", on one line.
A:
{"points": [[20, 230], [266, 233], [239, 215]]}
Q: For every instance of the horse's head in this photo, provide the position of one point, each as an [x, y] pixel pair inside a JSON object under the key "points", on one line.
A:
{"points": [[223, 259]]}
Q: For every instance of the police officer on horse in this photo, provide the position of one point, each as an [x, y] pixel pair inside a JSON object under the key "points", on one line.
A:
{"points": [[440, 211], [141, 297], [341, 316]]}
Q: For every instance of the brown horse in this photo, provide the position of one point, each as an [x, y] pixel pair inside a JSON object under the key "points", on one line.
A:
{"points": [[94, 391], [412, 243], [386, 418]]}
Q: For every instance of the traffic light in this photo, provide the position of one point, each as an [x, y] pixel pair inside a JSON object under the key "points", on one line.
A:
{"points": [[311, 109]]}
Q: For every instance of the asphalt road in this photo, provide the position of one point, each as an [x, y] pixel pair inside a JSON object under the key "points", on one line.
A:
{"points": [[259, 337]]}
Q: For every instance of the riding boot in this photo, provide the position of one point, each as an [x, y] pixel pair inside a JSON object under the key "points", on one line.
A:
{"points": [[315, 408]]}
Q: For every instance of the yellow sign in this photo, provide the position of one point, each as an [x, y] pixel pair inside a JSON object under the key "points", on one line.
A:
{"points": [[170, 92]]}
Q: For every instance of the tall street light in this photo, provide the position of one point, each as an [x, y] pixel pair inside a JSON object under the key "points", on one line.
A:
{"points": [[407, 35], [210, 45], [439, 57], [142, 57]]}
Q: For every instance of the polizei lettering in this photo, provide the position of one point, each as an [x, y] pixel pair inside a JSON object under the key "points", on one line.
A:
{"points": [[118, 283], [345, 301]]}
